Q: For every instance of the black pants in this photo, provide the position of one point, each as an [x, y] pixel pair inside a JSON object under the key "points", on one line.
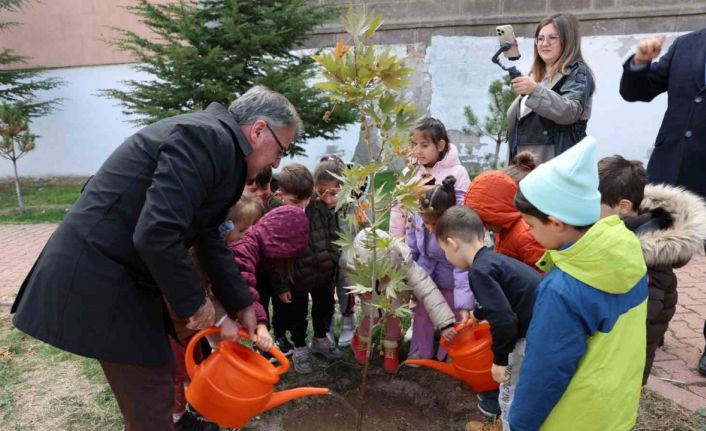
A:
{"points": [[264, 288], [145, 395], [296, 313]]}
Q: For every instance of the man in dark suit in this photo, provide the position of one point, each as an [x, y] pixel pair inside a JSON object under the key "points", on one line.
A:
{"points": [[99, 287], [679, 155]]}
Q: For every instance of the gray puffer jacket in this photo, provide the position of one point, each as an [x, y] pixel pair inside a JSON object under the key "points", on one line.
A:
{"points": [[559, 114]]}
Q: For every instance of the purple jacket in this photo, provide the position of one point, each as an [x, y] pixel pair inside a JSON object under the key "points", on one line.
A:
{"points": [[429, 255], [282, 233]]}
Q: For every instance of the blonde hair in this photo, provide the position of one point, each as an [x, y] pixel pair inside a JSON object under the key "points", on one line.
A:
{"points": [[248, 210], [570, 38]]}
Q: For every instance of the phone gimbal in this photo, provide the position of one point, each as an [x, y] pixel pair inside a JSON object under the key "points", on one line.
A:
{"points": [[512, 70]]}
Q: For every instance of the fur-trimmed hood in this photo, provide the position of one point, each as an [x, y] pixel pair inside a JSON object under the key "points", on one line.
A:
{"points": [[675, 242]]}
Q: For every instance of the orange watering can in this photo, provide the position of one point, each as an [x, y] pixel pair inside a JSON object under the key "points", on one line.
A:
{"points": [[236, 383], [471, 357]]}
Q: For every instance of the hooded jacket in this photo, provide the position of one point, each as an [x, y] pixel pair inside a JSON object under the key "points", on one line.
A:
{"points": [[491, 195], [421, 284], [428, 254], [282, 233], [671, 228], [449, 165], [586, 342]]}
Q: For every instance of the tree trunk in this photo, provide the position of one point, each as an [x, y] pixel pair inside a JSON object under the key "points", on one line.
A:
{"points": [[18, 190], [497, 153]]}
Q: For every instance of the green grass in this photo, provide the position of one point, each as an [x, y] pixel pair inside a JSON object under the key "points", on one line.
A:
{"points": [[46, 200]]}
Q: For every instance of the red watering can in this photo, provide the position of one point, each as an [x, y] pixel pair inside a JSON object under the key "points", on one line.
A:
{"points": [[471, 357], [236, 383]]}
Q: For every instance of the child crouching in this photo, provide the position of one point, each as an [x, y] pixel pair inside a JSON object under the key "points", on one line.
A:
{"points": [[422, 286]]}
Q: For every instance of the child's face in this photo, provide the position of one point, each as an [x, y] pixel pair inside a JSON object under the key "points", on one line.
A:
{"points": [[327, 192], [257, 191], [623, 208], [426, 152], [291, 199], [429, 222], [551, 234]]}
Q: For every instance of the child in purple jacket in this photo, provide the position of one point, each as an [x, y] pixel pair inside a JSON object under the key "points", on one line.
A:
{"points": [[452, 282]]}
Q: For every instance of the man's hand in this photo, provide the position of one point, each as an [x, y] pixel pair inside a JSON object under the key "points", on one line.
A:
{"points": [[203, 317], [286, 297], [229, 329], [499, 372], [523, 85], [248, 320], [648, 49]]}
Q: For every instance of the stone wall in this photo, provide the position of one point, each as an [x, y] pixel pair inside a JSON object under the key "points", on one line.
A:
{"points": [[416, 21]]}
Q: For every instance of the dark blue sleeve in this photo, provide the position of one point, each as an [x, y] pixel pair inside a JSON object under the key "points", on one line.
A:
{"points": [[644, 84], [556, 341]]}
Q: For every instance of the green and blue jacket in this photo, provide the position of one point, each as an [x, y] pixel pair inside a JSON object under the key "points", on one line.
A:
{"points": [[586, 342]]}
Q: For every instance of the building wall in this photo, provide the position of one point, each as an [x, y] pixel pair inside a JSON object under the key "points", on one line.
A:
{"points": [[417, 21], [451, 72]]}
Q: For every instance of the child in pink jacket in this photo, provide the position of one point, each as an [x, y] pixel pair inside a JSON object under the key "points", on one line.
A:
{"points": [[437, 158]]}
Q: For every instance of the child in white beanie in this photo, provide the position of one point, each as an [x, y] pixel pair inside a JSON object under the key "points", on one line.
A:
{"points": [[586, 341]]}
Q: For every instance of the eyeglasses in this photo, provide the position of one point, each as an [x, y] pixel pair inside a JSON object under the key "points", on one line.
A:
{"points": [[551, 39], [282, 150]]}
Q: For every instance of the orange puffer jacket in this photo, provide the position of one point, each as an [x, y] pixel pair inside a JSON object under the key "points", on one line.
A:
{"points": [[491, 195]]}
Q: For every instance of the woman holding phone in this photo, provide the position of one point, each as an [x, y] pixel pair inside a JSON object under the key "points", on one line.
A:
{"points": [[553, 105]]}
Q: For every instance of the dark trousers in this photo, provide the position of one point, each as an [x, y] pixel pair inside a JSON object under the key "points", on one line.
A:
{"points": [[296, 313], [278, 325], [145, 395]]}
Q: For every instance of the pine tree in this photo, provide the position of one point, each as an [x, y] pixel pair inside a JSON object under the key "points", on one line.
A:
{"points": [[216, 50], [18, 100], [495, 124]]}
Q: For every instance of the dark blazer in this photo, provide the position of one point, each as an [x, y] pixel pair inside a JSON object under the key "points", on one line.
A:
{"points": [[97, 288], [679, 155]]}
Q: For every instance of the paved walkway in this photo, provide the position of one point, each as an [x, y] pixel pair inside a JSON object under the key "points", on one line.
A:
{"points": [[674, 375]]}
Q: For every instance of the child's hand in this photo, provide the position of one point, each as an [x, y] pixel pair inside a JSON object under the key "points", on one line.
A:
{"points": [[264, 339], [449, 334], [286, 297], [499, 373], [466, 315]]}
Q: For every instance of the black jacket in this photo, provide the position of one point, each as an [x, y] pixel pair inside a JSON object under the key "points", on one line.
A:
{"points": [[679, 155], [504, 289], [318, 267], [97, 288]]}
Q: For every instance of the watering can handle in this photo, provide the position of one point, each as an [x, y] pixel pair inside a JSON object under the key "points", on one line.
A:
{"points": [[462, 326], [192, 367]]}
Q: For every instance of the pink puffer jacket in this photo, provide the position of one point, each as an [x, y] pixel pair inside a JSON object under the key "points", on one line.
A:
{"points": [[282, 233], [449, 165]]}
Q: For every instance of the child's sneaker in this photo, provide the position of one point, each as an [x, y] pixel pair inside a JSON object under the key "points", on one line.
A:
{"points": [[392, 356], [324, 346], [284, 346], [190, 422], [330, 334], [360, 347], [347, 329], [488, 403], [414, 355], [496, 425], [302, 360]]}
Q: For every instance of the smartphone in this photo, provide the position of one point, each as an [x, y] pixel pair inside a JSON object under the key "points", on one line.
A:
{"points": [[507, 35]]}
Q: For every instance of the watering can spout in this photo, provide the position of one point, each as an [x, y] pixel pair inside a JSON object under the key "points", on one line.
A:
{"points": [[281, 397], [442, 367]]}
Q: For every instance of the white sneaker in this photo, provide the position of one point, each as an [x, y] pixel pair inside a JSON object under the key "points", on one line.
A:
{"points": [[330, 335], [325, 348], [347, 330]]}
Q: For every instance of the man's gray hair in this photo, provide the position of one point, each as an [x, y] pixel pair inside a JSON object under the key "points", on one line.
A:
{"points": [[261, 103]]}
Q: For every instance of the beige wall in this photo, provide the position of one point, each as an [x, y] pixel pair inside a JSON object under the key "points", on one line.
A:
{"points": [[62, 33]]}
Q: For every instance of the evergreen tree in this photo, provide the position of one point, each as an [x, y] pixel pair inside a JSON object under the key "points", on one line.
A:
{"points": [[19, 86], [495, 124], [215, 50]]}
